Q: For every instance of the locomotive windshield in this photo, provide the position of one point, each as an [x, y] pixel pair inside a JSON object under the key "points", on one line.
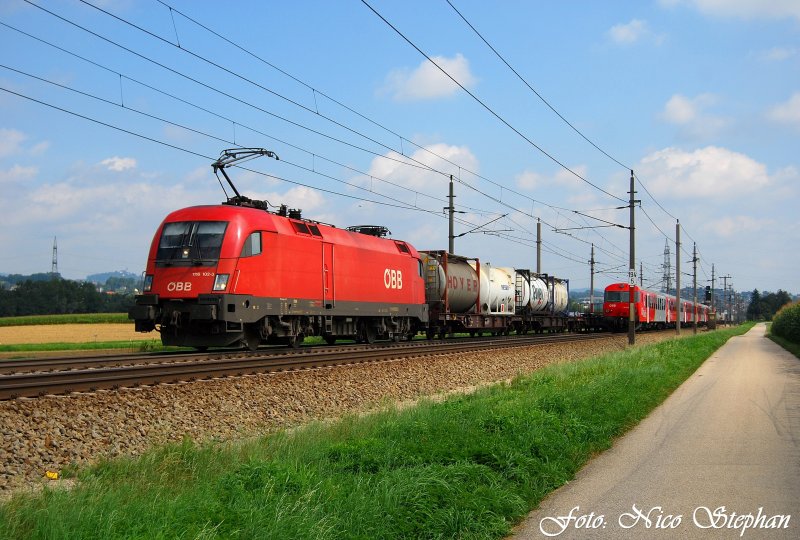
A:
{"points": [[190, 243], [619, 296]]}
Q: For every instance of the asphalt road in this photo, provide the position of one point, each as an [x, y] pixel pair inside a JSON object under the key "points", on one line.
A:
{"points": [[720, 458]]}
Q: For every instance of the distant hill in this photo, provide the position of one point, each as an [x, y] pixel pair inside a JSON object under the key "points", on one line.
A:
{"points": [[101, 278]]}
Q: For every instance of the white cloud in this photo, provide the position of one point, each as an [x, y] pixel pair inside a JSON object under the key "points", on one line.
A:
{"points": [[427, 81], [778, 54], [628, 33], [728, 226], [744, 9], [690, 114], [39, 148], [10, 142], [17, 173], [787, 113], [118, 164], [530, 180], [707, 172], [636, 30], [435, 156]]}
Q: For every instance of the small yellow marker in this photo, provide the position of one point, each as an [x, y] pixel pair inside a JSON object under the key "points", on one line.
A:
{"points": [[52, 475]]}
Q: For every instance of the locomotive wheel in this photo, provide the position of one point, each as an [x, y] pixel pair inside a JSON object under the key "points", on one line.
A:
{"points": [[369, 335], [252, 338], [295, 341]]}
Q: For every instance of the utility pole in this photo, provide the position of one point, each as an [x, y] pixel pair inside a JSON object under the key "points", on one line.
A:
{"points": [[712, 287], [667, 278], [730, 302], [678, 276], [641, 274], [451, 209], [632, 266], [591, 283], [538, 246], [694, 284], [725, 295]]}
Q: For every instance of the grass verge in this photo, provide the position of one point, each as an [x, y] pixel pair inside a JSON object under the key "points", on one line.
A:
{"points": [[76, 318], [150, 345], [467, 467]]}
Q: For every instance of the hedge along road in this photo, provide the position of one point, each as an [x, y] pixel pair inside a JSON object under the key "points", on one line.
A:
{"points": [[720, 458]]}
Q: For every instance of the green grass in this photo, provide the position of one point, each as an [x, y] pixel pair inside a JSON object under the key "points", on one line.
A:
{"points": [[77, 318], [467, 467], [133, 344]]}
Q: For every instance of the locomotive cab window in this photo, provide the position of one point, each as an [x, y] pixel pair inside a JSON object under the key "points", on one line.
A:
{"points": [[619, 296], [190, 243], [252, 245]]}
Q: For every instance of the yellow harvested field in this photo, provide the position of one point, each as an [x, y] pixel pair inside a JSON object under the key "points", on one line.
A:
{"points": [[72, 333]]}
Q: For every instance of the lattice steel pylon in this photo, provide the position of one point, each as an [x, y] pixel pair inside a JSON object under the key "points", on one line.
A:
{"points": [[54, 266], [666, 281]]}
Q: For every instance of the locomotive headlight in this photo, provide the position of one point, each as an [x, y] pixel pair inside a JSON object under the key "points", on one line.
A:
{"points": [[221, 282], [148, 282]]}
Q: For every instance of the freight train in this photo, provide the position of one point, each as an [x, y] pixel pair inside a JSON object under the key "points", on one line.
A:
{"points": [[652, 310], [237, 274]]}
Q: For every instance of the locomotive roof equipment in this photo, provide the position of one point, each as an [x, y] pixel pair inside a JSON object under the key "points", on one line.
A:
{"points": [[235, 155]]}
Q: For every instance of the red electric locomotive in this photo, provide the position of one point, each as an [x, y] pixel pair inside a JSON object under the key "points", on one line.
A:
{"points": [[236, 273], [651, 309]]}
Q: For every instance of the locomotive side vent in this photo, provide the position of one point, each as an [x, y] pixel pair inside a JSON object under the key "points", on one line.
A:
{"points": [[372, 230]]}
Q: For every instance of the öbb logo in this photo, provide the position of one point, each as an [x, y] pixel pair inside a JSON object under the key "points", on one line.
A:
{"points": [[179, 286], [393, 279]]}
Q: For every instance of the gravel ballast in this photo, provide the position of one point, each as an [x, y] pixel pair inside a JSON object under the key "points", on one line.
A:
{"points": [[50, 433]]}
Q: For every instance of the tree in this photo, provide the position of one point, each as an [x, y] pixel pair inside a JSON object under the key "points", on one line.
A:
{"points": [[754, 310]]}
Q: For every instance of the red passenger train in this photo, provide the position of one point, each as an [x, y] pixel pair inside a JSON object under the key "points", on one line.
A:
{"points": [[651, 309], [235, 274]]}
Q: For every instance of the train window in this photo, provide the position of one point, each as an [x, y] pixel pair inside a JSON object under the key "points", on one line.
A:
{"points": [[252, 245], [193, 243], [402, 247], [314, 230], [616, 296]]}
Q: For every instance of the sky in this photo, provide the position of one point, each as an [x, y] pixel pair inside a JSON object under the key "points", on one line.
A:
{"points": [[112, 111]]}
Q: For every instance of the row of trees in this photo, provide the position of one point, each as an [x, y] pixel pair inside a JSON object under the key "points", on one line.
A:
{"points": [[763, 308], [58, 296]]}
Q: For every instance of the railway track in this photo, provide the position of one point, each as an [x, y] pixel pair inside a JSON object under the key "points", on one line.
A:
{"points": [[39, 377]]}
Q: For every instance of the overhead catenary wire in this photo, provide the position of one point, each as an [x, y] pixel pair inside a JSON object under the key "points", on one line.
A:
{"points": [[151, 87], [210, 158], [469, 186], [530, 214], [485, 106], [557, 113], [532, 89]]}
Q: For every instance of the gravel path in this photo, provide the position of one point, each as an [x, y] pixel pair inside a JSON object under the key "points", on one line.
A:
{"points": [[40, 435]]}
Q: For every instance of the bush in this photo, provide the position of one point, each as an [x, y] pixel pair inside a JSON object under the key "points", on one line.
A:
{"points": [[786, 323]]}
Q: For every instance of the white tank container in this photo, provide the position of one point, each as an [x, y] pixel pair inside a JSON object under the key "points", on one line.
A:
{"points": [[522, 288], [461, 282], [560, 295], [497, 290], [540, 294]]}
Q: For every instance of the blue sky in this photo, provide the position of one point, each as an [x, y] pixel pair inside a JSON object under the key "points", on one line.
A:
{"points": [[701, 98]]}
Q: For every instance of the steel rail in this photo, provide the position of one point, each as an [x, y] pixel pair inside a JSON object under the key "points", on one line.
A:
{"points": [[36, 384]]}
